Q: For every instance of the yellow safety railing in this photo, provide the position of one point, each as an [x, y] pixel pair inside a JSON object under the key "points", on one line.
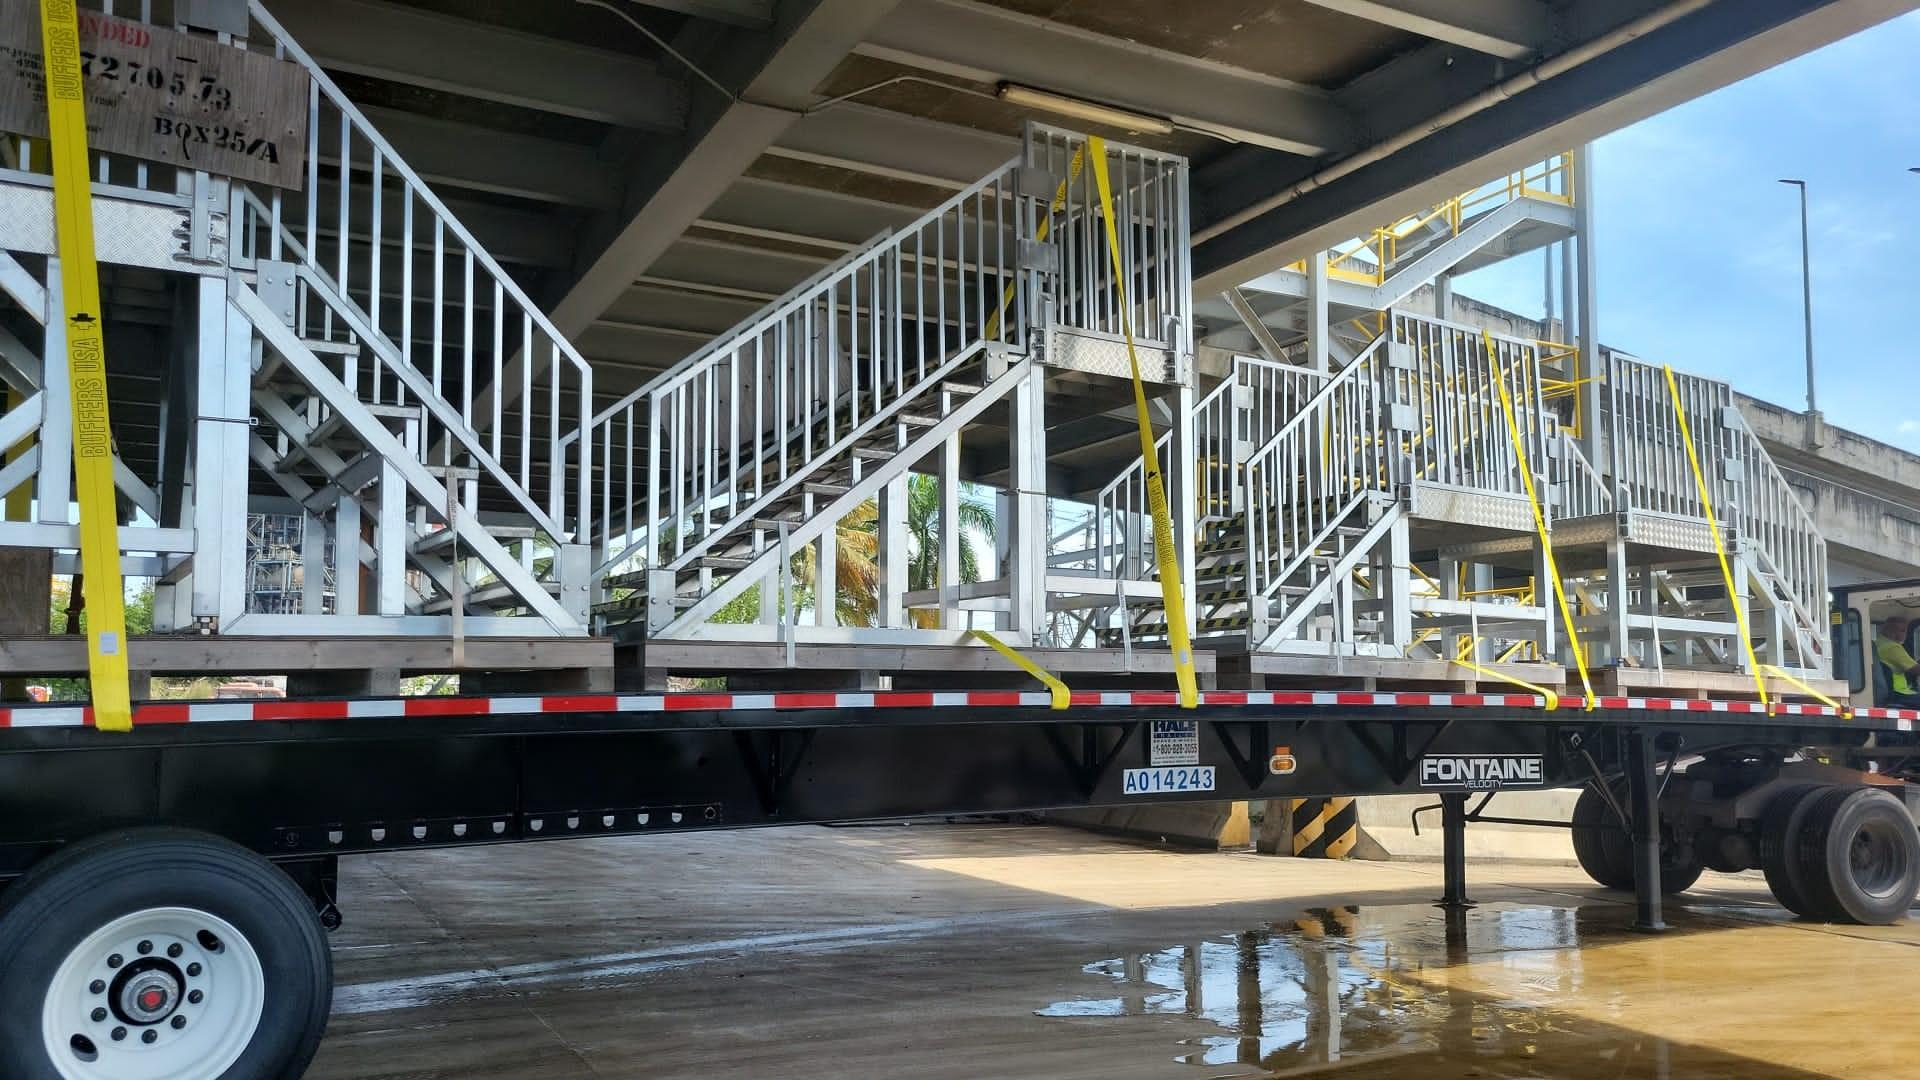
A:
{"points": [[1368, 260]]}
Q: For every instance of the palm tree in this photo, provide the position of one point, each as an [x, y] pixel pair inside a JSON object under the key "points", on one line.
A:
{"points": [[856, 553]]}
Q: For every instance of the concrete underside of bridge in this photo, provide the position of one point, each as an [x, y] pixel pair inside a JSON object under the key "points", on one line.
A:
{"points": [[652, 206]]}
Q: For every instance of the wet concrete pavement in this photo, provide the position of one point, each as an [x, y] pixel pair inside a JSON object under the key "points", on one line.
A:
{"points": [[988, 951]]}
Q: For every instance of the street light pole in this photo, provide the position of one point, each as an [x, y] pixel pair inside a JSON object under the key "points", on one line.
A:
{"points": [[1806, 299]]}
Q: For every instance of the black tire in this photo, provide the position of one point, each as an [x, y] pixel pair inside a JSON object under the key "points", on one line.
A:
{"points": [[1605, 849], [1600, 841], [1859, 857], [86, 885], [1780, 822]]}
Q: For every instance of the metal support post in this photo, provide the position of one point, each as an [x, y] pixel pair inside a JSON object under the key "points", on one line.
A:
{"points": [[573, 568], [346, 556], [1028, 536], [390, 538], [220, 463], [893, 552], [1183, 504], [1394, 584], [313, 565], [1543, 595], [1643, 795], [1443, 297], [826, 577], [950, 538], [1618, 638], [1453, 851], [1319, 337], [1586, 275]]}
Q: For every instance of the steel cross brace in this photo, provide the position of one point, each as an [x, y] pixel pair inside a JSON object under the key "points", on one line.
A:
{"points": [[1088, 763], [771, 759]]}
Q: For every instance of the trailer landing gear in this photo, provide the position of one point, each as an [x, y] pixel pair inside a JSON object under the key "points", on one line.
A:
{"points": [[143, 954]]}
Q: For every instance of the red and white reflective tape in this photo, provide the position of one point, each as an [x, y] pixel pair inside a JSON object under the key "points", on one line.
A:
{"points": [[183, 712]]}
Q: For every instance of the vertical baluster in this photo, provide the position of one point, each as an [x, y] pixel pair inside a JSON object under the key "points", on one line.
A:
{"points": [[313, 171], [557, 455], [940, 286], [466, 336], [920, 303], [759, 409], [439, 304], [405, 249], [374, 299], [732, 434], [345, 225], [526, 402], [494, 387], [626, 475], [585, 483]]}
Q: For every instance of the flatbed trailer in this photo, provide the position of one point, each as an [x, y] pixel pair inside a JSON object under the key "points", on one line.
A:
{"points": [[162, 880]]}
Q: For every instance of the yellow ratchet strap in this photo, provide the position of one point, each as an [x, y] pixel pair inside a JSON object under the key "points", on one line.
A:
{"points": [[1845, 711], [86, 369], [1172, 597], [1549, 700], [1719, 547], [1540, 526], [1062, 697]]}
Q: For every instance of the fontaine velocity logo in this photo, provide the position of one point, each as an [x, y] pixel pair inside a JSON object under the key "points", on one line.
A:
{"points": [[1482, 772]]}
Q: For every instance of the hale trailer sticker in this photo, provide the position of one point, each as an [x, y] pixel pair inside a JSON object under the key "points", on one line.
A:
{"points": [[1173, 742], [1482, 772], [1171, 781], [165, 96]]}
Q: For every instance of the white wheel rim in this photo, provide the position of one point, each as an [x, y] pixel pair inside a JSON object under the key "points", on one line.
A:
{"points": [[185, 1005]]}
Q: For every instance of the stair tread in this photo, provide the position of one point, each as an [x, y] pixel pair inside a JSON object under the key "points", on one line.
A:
{"points": [[443, 537]]}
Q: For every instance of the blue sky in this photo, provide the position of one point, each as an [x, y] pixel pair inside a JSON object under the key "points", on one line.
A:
{"points": [[1699, 245]]}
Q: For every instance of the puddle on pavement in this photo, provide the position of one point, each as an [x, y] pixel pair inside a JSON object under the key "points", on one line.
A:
{"points": [[1366, 992]]}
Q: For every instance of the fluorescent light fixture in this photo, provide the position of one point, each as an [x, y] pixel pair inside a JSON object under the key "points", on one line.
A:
{"points": [[1093, 111]]}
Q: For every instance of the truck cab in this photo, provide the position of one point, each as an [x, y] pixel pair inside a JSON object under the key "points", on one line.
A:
{"points": [[1856, 614]]}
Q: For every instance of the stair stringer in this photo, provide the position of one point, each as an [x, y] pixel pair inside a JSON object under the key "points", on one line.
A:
{"points": [[473, 536], [1303, 606], [869, 485]]}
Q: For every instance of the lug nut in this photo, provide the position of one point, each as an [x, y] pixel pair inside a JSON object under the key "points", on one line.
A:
{"points": [[179, 1022], [119, 1033], [149, 1035], [193, 969], [99, 1015], [96, 987], [115, 960], [174, 950], [145, 947], [194, 997]]}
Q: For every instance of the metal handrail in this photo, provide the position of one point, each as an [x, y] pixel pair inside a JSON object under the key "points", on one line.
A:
{"points": [[479, 400]]}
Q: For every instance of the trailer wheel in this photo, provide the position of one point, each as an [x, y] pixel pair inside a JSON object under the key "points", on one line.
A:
{"points": [[159, 954], [1859, 856], [1605, 849], [1780, 823]]}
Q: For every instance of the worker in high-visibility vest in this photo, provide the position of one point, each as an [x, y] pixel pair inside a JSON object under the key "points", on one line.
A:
{"points": [[1902, 671]]}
